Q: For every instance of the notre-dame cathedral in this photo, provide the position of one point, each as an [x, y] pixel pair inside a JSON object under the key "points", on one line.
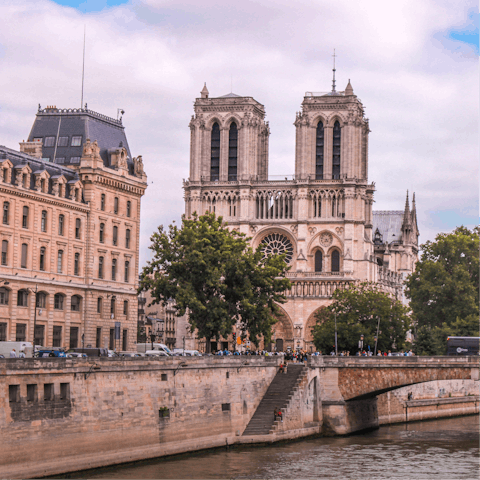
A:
{"points": [[321, 217]]}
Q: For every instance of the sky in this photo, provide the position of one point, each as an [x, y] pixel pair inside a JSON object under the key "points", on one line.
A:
{"points": [[413, 64]]}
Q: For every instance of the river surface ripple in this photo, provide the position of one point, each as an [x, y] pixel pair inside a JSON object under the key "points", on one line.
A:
{"points": [[439, 449]]}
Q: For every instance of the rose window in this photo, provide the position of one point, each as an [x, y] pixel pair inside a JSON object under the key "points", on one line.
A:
{"points": [[277, 244]]}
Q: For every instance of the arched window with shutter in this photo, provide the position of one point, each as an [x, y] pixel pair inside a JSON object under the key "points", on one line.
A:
{"points": [[337, 132], [215, 153], [335, 261], [232, 152], [319, 151], [318, 261]]}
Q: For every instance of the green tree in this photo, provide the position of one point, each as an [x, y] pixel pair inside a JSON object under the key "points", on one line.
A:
{"points": [[445, 284], [357, 310], [213, 274]]}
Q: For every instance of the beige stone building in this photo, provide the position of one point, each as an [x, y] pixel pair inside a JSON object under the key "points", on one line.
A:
{"points": [[321, 217], [70, 226]]}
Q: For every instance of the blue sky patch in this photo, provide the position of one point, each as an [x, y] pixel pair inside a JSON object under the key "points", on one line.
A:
{"points": [[90, 5], [468, 33]]}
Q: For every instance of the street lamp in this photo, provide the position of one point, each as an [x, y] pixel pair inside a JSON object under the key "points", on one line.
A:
{"points": [[376, 337], [375, 351]]}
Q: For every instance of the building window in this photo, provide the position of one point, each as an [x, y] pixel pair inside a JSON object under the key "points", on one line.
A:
{"points": [[42, 259], [43, 221], [98, 340], [115, 235], [23, 260], [114, 269], [61, 224], [3, 296], [41, 300], [319, 152], [32, 392], [102, 202], [42, 186], [337, 131], [318, 261], [78, 224], [76, 141], [6, 208], [124, 340], [112, 307], [39, 335], [14, 393], [22, 300], [127, 268], [232, 152], [76, 264], [60, 160], [75, 160], [49, 142], [335, 261], [75, 305], [62, 142], [58, 301], [111, 343], [125, 307], [57, 335], [20, 332], [127, 238], [99, 304], [129, 209], [60, 261], [3, 332], [100, 267], [101, 234], [4, 251], [73, 337], [215, 153], [64, 391], [25, 177], [115, 205], [25, 217]]}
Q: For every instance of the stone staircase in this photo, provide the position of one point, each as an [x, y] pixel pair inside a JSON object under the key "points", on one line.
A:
{"points": [[279, 394]]}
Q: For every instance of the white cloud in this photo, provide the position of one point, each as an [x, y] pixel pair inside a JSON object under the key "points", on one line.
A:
{"points": [[152, 57]]}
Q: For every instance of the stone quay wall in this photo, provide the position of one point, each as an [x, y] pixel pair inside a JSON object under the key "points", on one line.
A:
{"points": [[62, 415]]}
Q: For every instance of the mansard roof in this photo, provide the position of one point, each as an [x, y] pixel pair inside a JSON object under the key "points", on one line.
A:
{"points": [[231, 95], [82, 122], [20, 159], [389, 224]]}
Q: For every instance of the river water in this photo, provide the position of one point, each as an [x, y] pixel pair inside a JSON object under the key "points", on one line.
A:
{"points": [[439, 449]]}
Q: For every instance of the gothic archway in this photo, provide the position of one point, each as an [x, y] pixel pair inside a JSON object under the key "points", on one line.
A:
{"points": [[282, 332], [308, 335]]}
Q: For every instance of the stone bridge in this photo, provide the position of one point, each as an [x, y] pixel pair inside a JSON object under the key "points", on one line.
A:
{"points": [[347, 387]]}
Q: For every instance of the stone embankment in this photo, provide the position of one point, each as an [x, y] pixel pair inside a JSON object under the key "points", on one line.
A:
{"points": [[62, 415]]}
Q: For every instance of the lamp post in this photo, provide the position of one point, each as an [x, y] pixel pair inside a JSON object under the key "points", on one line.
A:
{"points": [[360, 344], [375, 350], [376, 337]]}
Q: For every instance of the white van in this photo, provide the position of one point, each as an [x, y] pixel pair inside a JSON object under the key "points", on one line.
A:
{"points": [[156, 353], [144, 347], [187, 353], [7, 347]]}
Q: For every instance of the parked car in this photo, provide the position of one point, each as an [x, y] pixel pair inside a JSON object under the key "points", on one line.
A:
{"points": [[91, 352], [130, 354], [76, 355], [50, 353], [156, 353]]}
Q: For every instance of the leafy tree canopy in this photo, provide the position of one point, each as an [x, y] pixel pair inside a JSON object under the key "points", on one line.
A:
{"points": [[445, 284], [357, 310], [213, 274]]}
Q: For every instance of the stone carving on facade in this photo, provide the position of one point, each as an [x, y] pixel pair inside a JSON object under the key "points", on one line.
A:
{"points": [[326, 239], [55, 188], [253, 228], [122, 161], [294, 229], [312, 230], [339, 230], [138, 166]]}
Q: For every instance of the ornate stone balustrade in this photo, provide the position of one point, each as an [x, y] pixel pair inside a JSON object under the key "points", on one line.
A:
{"points": [[316, 288]]}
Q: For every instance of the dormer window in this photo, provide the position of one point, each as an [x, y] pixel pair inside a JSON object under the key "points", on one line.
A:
{"points": [[49, 142], [76, 141], [62, 142]]}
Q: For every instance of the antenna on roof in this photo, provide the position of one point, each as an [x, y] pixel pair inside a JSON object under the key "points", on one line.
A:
{"points": [[334, 70], [83, 65]]}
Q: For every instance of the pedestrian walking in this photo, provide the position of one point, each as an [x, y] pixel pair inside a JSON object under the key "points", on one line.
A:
{"points": [[13, 353]]}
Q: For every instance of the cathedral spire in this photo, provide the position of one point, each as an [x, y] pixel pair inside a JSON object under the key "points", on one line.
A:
{"points": [[334, 70], [349, 89], [204, 92]]}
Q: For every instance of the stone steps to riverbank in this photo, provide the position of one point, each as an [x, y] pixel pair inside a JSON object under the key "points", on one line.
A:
{"points": [[278, 396]]}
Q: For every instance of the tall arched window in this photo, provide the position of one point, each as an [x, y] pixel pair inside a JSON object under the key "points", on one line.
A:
{"points": [[58, 301], [336, 150], [42, 258], [318, 261], [319, 152], [115, 205], [60, 261], [6, 211], [76, 264], [114, 269], [127, 238], [335, 261], [100, 267], [41, 299], [102, 233], [102, 202], [61, 224], [127, 270], [3, 296], [43, 223], [215, 153], [76, 303], [22, 298], [129, 208], [232, 152], [4, 251], [115, 235]]}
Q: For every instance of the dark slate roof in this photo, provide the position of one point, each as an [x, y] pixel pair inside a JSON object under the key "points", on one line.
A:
{"points": [[52, 121], [38, 165], [389, 224]]}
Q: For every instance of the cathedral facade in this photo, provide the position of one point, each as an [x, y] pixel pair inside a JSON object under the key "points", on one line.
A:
{"points": [[321, 218]]}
